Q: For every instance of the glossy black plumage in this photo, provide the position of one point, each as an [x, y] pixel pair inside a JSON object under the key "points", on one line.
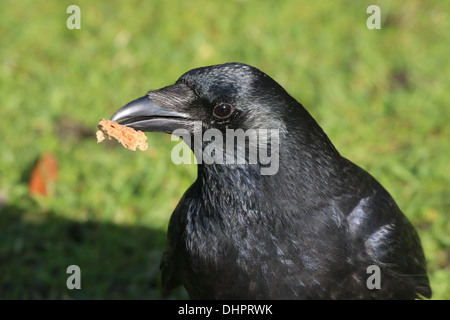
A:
{"points": [[308, 232]]}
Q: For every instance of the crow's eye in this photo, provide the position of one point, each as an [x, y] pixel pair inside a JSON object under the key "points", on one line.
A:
{"points": [[223, 111]]}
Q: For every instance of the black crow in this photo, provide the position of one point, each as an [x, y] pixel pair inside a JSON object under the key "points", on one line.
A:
{"points": [[318, 227]]}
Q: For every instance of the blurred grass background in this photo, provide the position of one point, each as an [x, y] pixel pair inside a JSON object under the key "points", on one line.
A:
{"points": [[381, 95]]}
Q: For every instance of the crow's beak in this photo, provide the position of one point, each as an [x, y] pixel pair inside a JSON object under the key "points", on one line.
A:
{"points": [[146, 115]]}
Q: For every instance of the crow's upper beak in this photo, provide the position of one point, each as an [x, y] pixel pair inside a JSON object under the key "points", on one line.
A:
{"points": [[146, 115]]}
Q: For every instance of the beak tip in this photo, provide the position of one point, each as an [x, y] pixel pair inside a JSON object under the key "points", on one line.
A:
{"points": [[143, 109], [134, 108], [115, 117]]}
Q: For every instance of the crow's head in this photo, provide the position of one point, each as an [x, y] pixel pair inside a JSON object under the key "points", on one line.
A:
{"points": [[226, 96], [230, 95]]}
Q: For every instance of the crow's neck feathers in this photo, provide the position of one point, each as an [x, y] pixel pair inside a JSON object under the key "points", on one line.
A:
{"points": [[305, 154]]}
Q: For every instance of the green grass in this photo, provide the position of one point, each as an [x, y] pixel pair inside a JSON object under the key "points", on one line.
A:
{"points": [[381, 95]]}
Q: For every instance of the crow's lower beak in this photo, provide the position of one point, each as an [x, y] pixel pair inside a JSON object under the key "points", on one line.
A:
{"points": [[144, 114]]}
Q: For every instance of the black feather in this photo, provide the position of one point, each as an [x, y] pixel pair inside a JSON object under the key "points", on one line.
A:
{"points": [[308, 232]]}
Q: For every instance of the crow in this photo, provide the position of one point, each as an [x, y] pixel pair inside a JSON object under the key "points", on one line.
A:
{"points": [[317, 227]]}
